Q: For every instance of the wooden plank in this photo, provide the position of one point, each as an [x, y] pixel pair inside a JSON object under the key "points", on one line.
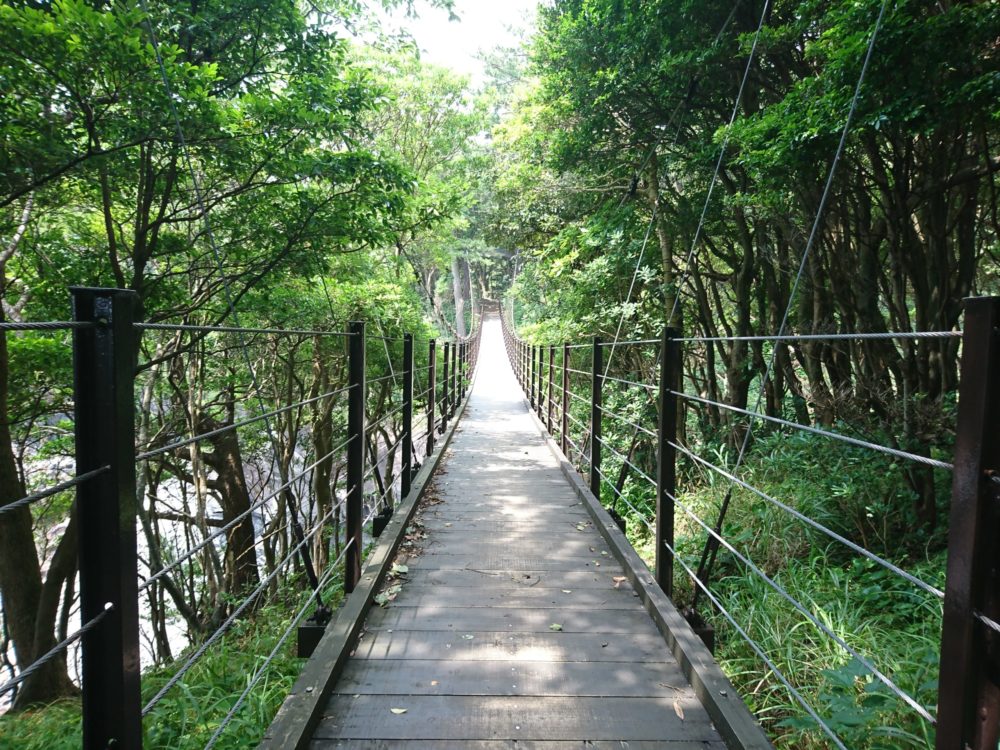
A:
{"points": [[508, 593], [503, 646], [566, 679], [534, 718], [736, 724], [561, 579], [299, 714], [511, 745], [507, 562], [467, 619]]}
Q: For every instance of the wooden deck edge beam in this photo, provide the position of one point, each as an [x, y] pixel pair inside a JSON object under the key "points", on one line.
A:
{"points": [[300, 713], [731, 716]]}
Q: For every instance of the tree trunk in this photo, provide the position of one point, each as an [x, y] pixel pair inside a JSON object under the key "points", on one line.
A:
{"points": [[458, 290]]}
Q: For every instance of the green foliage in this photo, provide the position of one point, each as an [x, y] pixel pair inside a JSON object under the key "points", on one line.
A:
{"points": [[190, 713]]}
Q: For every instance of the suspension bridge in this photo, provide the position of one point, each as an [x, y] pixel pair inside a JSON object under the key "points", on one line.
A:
{"points": [[492, 596]]}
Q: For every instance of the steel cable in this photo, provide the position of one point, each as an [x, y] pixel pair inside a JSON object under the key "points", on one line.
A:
{"points": [[221, 630], [824, 433], [223, 529], [864, 661], [53, 490], [815, 524], [53, 652], [756, 648], [237, 425]]}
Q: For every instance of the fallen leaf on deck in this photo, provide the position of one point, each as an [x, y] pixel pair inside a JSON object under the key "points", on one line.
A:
{"points": [[398, 569], [401, 710], [434, 682], [567, 591], [555, 627], [619, 580], [468, 637], [678, 710]]}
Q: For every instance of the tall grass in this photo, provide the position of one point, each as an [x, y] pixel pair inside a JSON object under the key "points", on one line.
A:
{"points": [[890, 622], [190, 713]]}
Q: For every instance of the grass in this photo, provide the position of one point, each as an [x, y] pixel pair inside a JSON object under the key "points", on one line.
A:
{"points": [[189, 714], [894, 625]]}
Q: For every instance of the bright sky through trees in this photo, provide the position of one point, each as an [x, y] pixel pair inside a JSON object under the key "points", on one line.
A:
{"points": [[483, 25]]}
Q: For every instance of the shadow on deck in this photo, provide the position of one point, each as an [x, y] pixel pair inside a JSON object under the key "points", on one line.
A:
{"points": [[524, 617]]}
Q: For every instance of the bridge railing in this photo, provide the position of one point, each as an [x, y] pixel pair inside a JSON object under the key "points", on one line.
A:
{"points": [[640, 467], [290, 485]]}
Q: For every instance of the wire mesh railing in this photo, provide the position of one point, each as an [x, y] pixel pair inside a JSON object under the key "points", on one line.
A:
{"points": [[219, 494], [636, 432]]}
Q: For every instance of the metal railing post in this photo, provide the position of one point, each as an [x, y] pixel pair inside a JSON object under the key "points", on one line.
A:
{"points": [[968, 696], [431, 394], [666, 459], [548, 400], [596, 382], [104, 363], [454, 380], [406, 464], [540, 406], [446, 372], [564, 429], [531, 376], [355, 453]]}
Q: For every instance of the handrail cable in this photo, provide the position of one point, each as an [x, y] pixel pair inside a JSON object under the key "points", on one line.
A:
{"points": [[48, 325], [236, 519], [864, 661], [824, 433], [814, 523], [756, 647], [53, 490], [235, 329], [236, 425], [877, 336], [53, 652], [813, 233], [274, 651], [221, 630]]}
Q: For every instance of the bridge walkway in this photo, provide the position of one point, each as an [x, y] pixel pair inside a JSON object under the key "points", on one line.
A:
{"points": [[514, 625]]}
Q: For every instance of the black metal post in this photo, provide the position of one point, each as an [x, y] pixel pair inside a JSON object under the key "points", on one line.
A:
{"points": [[406, 464], [666, 459], [355, 453], [564, 430], [968, 714], [596, 382], [445, 412], [548, 400], [540, 406], [454, 380], [431, 394], [531, 376], [456, 391], [104, 363]]}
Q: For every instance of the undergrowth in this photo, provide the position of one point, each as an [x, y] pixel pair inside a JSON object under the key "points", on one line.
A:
{"points": [[892, 624], [191, 711]]}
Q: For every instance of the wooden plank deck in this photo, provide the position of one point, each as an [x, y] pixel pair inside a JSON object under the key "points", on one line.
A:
{"points": [[515, 625]]}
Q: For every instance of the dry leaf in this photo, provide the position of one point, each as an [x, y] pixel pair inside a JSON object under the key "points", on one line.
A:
{"points": [[567, 591], [619, 580], [556, 627], [468, 637], [678, 710], [403, 710], [433, 683]]}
